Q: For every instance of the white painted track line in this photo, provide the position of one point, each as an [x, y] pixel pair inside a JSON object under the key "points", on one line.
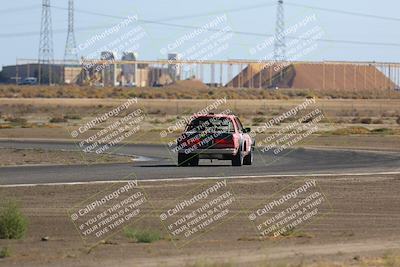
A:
{"points": [[207, 178]]}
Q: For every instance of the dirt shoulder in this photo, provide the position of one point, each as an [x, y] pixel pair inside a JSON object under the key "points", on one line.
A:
{"points": [[368, 142], [359, 229], [347, 123], [18, 157]]}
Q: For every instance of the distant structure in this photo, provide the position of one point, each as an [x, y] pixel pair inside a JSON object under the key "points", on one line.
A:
{"points": [[174, 70], [109, 70], [71, 54], [129, 70], [320, 76], [280, 43], [46, 52]]}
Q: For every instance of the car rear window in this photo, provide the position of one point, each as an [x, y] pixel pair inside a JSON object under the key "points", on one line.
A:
{"points": [[216, 124]]}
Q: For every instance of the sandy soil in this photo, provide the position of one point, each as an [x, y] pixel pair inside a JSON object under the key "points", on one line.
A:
{"points": [[34, 119], [358, 228], [18, 157], [342, 107], [374, 142]]}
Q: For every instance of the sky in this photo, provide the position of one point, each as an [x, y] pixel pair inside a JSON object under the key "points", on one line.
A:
{"points": [[19, 32]]}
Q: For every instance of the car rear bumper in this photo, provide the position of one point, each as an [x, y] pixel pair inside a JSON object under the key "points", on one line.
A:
{"points": [[211, 151]]}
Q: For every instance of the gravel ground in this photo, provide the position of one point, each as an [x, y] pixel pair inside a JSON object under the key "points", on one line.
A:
{"points": [[358, 226]]}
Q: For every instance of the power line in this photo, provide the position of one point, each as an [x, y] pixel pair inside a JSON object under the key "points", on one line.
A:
{"points": [[7, 35], [239, 32], [190, 16], [249, 8], [62, 31], [18, 9], [344, 12], [232, 10]]}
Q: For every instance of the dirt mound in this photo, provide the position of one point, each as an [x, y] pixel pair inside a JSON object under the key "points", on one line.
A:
{"points": [[318, 76], [340, 77], [185, 84]]}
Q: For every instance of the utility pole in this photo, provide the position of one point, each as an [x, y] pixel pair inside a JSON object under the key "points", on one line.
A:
{"points": [[46, 52], [71, 54], [280, 43]]}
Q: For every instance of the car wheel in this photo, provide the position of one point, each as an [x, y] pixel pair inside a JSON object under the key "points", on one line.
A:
{"points": [[194, 160], [183, 159], [248, 159], [238, 159]]}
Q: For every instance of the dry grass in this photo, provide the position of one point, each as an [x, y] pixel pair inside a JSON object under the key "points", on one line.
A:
{"points": [[376, 109], [179, 92], [52, 220], [17, 157], [38, 117], [387, 260]]}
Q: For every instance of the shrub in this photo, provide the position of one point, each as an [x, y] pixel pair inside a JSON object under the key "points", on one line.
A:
{"points": [[5, 126], [257, 120], [58, 120], [16, 120], [391, 260], [130, 233], [13, 223], [292, 232], [377, 121], [398, 120], [383, 131], [206, 263], [350, 131], [72, 117], [5, 252], [142, 236], [366, 120]]}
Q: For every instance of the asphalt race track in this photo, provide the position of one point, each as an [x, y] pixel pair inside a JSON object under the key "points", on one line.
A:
{"points": [[157, 163]]}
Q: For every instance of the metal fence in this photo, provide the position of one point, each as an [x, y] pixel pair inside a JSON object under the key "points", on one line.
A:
{"points": [[325, 75]]}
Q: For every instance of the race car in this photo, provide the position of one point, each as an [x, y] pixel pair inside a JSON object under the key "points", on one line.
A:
{"points": [[215, 136]]}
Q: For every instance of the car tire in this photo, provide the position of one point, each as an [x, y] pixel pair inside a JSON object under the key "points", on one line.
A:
{"points": [[237, 160], [248, 159], [183, 160]]}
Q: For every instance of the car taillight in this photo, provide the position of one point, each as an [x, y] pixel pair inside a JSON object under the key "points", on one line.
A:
{"points": [[225, 142]]}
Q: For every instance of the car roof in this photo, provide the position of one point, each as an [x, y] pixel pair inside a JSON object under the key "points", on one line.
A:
{"points": [[215, 115]]}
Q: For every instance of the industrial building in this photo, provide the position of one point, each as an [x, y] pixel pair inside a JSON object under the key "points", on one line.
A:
{"points": [[128, 72], [108, 71], [45, 73], [131, 72]]}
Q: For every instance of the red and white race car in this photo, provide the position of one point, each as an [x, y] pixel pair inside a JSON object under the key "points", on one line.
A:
{"points": [[215, 136]]}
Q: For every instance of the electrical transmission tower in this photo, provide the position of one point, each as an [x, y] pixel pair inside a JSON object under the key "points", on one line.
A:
{"points": [[71, 54], [46, 52], [280, 44]]}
